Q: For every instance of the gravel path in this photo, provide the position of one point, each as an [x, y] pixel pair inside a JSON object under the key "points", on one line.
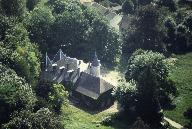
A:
{"points": [[173, 123]]}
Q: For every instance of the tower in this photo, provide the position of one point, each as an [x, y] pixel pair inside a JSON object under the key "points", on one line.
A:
{"points": [[95, 66]]}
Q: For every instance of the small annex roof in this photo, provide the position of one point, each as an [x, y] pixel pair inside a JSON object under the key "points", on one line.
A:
{"points": [[60, 55], [92, 86], [95, 61]]}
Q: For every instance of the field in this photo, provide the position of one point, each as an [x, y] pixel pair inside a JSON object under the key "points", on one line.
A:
{"points": [[182, 75], [80, 119]]}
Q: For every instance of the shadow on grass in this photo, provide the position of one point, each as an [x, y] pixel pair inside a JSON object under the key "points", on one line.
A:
{"points": [[119, 120], [83, 107]]}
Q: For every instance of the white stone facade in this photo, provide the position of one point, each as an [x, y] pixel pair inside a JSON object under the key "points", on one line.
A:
{"points": [[64, 68]]}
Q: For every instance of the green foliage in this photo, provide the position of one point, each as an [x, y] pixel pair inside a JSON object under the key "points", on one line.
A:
{"points": [[39, 23], [125, 93], [52, 96], [32, 3], [42, 119], [15, 93], [151, 70], [75, 23], [128, 7], [188, 21], [76, 28], [140, 124], [185, 2], [188, 115], [58, 97], [144, 2], [14, 7], [147, 60], [147, 31], [168, 3], [104, 40], [150, 87], [24, 54]]}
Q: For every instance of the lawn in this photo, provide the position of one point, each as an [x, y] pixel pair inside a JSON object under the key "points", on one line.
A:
{"points": [[182, 75], [80, 119]]}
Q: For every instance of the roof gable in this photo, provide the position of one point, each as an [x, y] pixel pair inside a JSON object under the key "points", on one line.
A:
{"points": [[92, 86], [58, 56]]}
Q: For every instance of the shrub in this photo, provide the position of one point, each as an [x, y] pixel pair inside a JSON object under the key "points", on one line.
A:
{"points": [[15, 94], [128, 7], [42, 119], [51, 95], [125, 94]]}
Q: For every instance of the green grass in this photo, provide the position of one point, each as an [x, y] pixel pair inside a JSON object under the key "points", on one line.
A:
{"points": [[182, 75], [80, 119]]}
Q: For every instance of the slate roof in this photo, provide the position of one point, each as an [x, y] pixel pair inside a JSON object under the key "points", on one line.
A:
{"points": [[48, 61], [125, 22], [92, 86], [58, 56]]}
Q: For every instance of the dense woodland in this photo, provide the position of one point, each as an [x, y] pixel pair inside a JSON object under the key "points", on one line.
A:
{"points": [[158, 30]]}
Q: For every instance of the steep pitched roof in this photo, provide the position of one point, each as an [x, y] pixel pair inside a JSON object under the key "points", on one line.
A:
{"points": [[48, 62], [92, 86], [125, 22], [58, 56]]}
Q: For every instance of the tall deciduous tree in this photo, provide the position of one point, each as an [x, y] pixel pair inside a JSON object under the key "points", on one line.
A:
{"points": [[23, 54], [15, 94], [13, 7], [147, 86], [128, 7], [39, 23], [32, 3], [148, 32], [168, 3]]}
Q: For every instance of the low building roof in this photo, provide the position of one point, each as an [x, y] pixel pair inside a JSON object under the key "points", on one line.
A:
{"points": [[92, 86]]}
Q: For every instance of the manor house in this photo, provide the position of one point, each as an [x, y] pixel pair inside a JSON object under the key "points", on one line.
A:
{"points": [[88, 85]]}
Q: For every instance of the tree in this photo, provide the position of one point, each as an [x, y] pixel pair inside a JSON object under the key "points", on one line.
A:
{"points": [[139, 124], [38, 24], [168, 3], [181, 43], [52, 96], [104, 40], [144, 2], [32, 3], [42, 119], [188, 22], [147, 85], [15, 94], [148, 32], [14, 7], [185, 2], [188, 114], [23, 54], [128, 7], [170, 24], [125, 93]]}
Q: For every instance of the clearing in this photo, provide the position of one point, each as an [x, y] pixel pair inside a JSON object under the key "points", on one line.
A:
{"points": [[182, 76]]}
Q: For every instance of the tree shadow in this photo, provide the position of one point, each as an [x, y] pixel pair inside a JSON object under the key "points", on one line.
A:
{"points": [[85, 108]]}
